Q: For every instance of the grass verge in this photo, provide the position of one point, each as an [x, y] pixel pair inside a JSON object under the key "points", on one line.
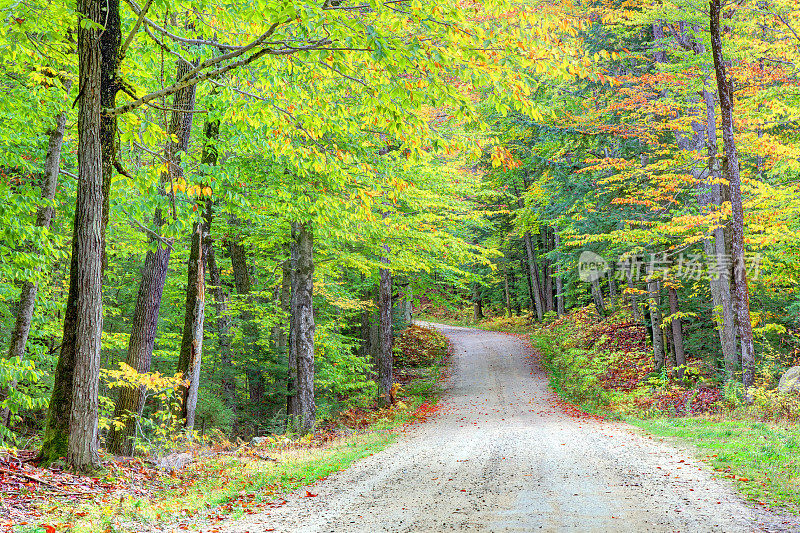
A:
{"points": [[762, 459]]}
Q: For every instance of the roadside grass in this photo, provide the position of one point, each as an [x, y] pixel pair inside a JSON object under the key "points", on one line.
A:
{"points": [[762, 459], [229, 487], [230, 484]]}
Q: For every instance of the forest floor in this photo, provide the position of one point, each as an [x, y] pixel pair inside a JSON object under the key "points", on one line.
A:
{"points": [[503, 453], [215, 481]]}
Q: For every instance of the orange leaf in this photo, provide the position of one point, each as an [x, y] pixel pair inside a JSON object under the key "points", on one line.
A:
{"points": [[309, 495]]}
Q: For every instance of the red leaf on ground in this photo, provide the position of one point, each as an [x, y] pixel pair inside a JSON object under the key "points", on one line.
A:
{"points": [[309, 495]]}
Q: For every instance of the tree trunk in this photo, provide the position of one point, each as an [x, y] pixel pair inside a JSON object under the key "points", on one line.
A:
{"points": [[243, 283], [612, 287], [530, 251], [408, 304], [512, 280], [741, 290], [537, 289], [477, 302], [548, 271], [527, 273], [597, 296], [110, 85], [385, 356], [722, 299], [633, 299], [151, 287], [220, 292], [302, 324], [507, 292], [223, 325], [279, 332], [140, 347], [677, 331], [653, 303], [71, 426], [191, 355], [559, 281], [44, 216], [292, 401]]}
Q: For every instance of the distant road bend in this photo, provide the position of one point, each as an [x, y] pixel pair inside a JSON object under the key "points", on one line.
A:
{"points": [[501, 456]]}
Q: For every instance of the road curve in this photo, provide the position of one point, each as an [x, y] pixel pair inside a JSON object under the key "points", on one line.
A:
{"points": [[502, 455]]}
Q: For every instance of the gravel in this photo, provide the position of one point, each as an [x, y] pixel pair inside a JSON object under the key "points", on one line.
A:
{"points": [[503, 454]]}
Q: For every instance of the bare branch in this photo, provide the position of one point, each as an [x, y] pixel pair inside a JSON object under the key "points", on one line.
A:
{"points": [[132, 34], [141, 12], [135, 224], [186, 82]]}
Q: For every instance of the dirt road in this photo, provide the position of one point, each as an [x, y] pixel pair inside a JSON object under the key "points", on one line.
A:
{"points": [[502, 455]]}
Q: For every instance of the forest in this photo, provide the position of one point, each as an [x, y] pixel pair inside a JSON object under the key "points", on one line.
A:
{"points": [[216, 217]]}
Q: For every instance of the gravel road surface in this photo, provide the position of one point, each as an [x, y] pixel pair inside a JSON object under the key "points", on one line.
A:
{"points": [[504, 455]]}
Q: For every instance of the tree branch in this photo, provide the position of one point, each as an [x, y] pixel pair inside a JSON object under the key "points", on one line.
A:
{"points": [[132, 34]]}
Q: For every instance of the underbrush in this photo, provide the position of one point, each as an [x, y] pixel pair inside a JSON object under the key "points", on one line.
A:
{"points": [[224, 479], [419, 347]]}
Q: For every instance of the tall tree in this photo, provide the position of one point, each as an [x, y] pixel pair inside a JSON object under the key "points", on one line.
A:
{"points": [[191, 355], [154, 273], [71, 427], [732, 173], [385, 355], [44, 216], [302, 324], [244, 285]]}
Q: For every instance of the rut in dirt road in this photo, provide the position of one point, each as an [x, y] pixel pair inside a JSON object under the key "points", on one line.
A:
{"points": [[503, 456]]}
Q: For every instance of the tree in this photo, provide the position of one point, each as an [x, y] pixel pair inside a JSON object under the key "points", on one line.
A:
{"points": [[148, 301], [301, 341], [71, 429], [44, 216], [740, 288]]}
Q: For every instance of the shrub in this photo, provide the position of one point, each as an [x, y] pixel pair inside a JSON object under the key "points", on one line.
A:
{"points": [[419, 346], [212, 413]]}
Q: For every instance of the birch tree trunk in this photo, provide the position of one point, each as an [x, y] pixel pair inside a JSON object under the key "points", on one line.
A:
{"points": [[597, 296], [191, 355], [653, 303], [549, 304], [506, 292], [527, 273], [722, 299], [559, 280], [223, 326], [534, 273], [677, 331], [292, 402], [612, 287], [385, 356], [279, 332], [633, 299]]}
